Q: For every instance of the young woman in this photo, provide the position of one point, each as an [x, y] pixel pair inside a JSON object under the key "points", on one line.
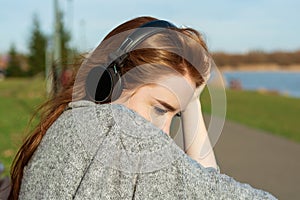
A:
{"points": [[106, 136]]}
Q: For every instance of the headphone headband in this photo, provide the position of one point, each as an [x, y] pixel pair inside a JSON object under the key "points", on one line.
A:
{"points": [[141, 34], [138, 36]]}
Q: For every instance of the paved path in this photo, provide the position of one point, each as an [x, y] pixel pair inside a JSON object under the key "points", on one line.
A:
{"points": [[261, 159]]}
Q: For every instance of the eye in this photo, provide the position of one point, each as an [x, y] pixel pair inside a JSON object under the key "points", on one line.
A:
{"points": [[178, 114], [160, 111]]}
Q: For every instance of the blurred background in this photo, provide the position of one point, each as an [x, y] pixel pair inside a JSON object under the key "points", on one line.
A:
{"points": [[255, 45]]}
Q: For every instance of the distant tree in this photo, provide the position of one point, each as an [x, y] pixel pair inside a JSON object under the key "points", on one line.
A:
{"points": [[65, 35], [14, 65], [37, 49], [257, 57], [66, 57]]}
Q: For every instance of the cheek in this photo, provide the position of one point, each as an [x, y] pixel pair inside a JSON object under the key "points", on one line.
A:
{"points": [[147, 111], [162, 122], [142, 104], [138, 104]]}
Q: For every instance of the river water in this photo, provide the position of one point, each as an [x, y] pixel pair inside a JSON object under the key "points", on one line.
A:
{"points": [[284, 82]]}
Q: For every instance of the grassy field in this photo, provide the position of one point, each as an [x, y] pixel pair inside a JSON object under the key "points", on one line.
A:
{"points": [[18, 100], [20, 97], [276, 114]]}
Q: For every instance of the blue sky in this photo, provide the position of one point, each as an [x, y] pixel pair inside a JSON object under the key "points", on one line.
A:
{"points": [[228, 25]]}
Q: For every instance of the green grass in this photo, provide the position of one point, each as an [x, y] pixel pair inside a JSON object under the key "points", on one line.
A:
{"points": [[20, 97], [18, 100], [276, 114]]}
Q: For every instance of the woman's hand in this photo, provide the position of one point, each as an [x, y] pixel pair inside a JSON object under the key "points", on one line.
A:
{"points": [[196, 140]]}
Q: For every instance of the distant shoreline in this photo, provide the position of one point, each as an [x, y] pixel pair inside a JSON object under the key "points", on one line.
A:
{"points": [[260, 67]]}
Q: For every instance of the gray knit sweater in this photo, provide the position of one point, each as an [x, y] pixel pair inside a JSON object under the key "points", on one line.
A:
{"points": [[108, 151]]}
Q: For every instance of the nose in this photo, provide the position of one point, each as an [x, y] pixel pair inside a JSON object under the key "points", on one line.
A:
{"points": [[166, 128]]}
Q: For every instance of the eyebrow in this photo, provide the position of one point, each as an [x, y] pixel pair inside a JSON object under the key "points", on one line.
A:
{"points": [[166, 105]]}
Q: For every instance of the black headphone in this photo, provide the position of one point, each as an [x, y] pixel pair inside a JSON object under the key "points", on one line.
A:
{"points": [[103, 80]]}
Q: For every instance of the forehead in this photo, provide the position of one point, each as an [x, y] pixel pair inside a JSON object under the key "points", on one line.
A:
{"points": [[177, 90]]}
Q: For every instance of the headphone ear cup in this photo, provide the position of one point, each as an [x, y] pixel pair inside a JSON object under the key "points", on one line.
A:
{"points": [[102, 84], [117, 83]]}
